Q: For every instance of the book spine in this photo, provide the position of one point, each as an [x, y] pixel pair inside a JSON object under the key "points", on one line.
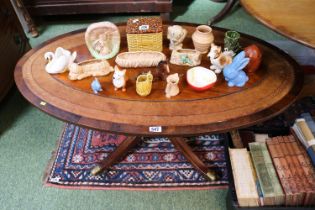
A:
{"points": [[306, 131], [311, 153], [282, 170], [310, 122], [304, 134], [286, 144], [244, 181], [309, 173], [269, 182]]}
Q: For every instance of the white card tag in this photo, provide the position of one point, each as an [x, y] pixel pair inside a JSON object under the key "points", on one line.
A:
{"points": [[144, 27], [155, 129], [43, 103]]}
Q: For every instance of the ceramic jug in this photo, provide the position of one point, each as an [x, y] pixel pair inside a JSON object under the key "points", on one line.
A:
{"points": [[202, 38], [144, 84]]}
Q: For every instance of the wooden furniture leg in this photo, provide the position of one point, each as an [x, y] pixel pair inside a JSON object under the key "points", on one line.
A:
{"points": [[24, 17], [226, 9], [116, 155], [132, 141], [183, 147], [165, 16]]}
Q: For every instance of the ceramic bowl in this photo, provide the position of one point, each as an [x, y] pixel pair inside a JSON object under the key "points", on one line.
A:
{"points": [[200, 78]]}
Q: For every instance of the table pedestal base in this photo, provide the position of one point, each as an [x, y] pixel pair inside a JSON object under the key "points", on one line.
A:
{"points": [[179, 143]]}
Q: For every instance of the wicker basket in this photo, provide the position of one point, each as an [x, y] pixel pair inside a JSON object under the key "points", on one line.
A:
{"points": [[145, 34]]}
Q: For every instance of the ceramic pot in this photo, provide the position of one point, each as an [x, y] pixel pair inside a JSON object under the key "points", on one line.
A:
{"points": [[202, 38]]}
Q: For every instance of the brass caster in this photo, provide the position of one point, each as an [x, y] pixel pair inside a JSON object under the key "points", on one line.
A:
{"points": [[96, 170], [211, 175]]}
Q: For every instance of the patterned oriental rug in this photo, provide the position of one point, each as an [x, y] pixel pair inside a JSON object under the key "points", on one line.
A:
{"points": [[154, 164]]}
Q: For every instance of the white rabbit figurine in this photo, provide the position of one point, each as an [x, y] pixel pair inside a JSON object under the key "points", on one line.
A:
{"points": [[233, 73]]}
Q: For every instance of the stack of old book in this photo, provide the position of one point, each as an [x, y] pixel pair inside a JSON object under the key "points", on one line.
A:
{"points": [[294, 169], [278, 173], [304, 129]]}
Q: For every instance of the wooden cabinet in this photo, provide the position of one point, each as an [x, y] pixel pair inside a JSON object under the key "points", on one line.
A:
{"points": [[13, 44], [58, 7]]}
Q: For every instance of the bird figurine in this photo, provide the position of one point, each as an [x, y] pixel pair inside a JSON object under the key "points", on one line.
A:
{"points": [[96, 86]]}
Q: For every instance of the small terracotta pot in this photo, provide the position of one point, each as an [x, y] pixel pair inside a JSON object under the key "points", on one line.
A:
{"points": [[202, 38]]}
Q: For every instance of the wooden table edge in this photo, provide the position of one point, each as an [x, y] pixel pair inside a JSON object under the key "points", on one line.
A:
{"points": [[218, 127], [265, 23]]}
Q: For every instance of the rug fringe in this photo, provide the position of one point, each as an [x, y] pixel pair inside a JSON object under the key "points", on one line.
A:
{"points": [[53, 156], [219, 187]]}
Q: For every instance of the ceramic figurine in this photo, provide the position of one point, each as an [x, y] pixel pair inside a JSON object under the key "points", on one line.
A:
{"points": [[59, 61], [139, 59], [176, 34], [144, 34], [96, 86], [218, 58], [144, 84], [202, 38], [186, 57], [200, 78], [231, 41], [254, 54], [172, 88], [103, 40], [161, 72], [93, 67], [119, 79], [233, 73]]}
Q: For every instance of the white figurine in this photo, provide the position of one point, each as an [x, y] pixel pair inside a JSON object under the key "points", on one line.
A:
{"points": [[93, 67], [119, 79], [172, 85], [176, 34], [59, 61], [219, 59]]}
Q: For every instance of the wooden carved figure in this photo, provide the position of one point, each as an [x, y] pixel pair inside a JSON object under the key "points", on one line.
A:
{"points": [[218, 58], [233, 73], [176, 34], [172, 88], [119, 79]]}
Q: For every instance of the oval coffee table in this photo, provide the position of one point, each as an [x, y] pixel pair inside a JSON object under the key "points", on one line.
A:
{"points": [[268, 92]]}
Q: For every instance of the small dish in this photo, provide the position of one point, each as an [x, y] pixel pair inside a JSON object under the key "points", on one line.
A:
{"points": [[200, 78]]}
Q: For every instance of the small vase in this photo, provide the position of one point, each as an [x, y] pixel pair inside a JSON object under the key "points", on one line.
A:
{"points": [[202, 38], [231, 41]]}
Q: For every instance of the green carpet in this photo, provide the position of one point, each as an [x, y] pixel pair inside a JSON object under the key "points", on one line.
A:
{"points": [[28, 136]]}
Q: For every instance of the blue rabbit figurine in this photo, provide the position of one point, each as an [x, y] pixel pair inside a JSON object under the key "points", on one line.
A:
{"points": [[96, 86], [233, 73]]}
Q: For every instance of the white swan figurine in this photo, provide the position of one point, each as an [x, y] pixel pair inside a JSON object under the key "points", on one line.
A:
{"points": [[59, 61]]}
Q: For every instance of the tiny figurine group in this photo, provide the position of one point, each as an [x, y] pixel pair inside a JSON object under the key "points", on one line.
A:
{"points": [[103, 42]]}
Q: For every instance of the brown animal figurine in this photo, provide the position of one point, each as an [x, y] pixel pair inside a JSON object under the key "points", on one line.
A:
{"points": [[161, 72]]}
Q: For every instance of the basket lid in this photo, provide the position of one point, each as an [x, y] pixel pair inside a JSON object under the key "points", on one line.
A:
{"points": [[144, 25]]}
